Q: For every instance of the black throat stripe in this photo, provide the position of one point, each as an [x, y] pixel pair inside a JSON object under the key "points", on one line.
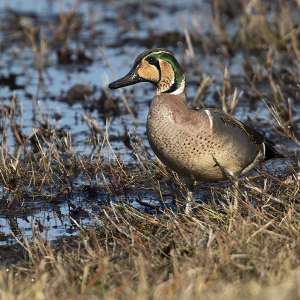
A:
{"points": [[172, 89]]}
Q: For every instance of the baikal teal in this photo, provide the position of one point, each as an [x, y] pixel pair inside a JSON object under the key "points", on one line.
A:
{"points": [[199, 144]]}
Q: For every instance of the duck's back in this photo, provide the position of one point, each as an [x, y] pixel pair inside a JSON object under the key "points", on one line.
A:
{"points": [[195, 143]]}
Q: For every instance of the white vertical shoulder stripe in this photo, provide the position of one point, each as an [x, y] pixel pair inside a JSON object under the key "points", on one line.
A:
{"points": [[210, 118]]}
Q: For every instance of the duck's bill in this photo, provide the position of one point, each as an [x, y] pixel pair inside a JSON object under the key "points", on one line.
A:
{"points": [[130, 79]]}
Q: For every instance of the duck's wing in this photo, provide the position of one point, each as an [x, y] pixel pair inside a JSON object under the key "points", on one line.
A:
{"points": [[253, 135]]}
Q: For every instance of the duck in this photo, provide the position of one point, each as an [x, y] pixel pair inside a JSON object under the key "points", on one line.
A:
{"points": [[207, 145]]}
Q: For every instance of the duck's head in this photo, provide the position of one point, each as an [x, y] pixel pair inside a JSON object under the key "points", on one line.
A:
{"points": [[158, 66]]}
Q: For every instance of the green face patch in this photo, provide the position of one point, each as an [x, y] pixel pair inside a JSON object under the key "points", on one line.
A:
{"points": [[169, 57]]}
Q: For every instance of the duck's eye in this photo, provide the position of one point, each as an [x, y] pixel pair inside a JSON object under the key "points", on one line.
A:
{"points": [[151, 60]]}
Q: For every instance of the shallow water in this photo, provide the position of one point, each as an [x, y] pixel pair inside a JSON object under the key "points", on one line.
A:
{"points": [[121, 46]]}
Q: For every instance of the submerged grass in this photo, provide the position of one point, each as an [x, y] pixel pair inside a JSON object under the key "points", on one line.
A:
{"points": [[235, 245]]}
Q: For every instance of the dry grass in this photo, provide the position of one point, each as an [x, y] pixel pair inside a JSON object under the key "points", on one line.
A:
{"points": [[221, 250], [133, 255]]}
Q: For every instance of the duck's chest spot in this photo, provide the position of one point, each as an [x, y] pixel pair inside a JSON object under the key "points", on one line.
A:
{"points": [[172, 118]]}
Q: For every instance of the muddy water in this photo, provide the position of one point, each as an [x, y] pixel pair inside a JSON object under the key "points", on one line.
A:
{"points": [[123, 30]]}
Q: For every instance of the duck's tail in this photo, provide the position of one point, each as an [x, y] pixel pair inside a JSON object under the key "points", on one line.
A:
{"points": [[270, 151]]}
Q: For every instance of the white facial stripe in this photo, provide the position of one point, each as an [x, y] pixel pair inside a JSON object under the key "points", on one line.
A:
{"points": [[210, 118], [157, 53], [180, 90]]}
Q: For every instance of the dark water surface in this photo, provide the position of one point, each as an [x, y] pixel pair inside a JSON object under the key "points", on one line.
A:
{"points": [[123, 29]]}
